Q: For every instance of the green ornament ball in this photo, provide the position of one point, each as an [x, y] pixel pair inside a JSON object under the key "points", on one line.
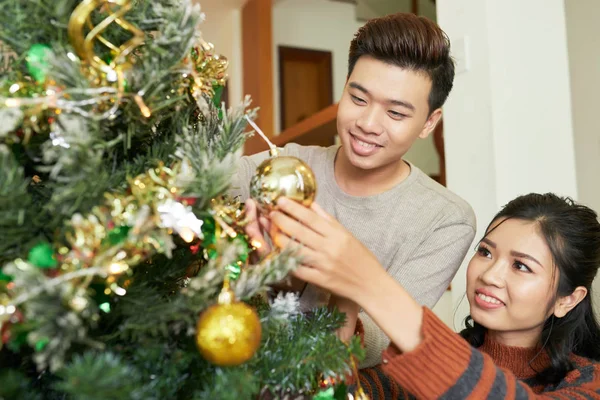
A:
{"points": [[118, 234], [41, 344], [4, 277], [37, 61], [42, 256]]}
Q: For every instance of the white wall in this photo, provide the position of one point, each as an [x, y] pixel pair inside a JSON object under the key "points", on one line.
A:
{"points": [[508, 121], [222, 27], [583, 31], [531, 98]]}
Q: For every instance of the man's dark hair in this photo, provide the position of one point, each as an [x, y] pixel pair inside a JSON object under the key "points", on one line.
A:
{"points": [[410, 42]]}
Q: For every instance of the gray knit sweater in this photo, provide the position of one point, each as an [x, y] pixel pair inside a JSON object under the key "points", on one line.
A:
{"points": [[418, 230]]}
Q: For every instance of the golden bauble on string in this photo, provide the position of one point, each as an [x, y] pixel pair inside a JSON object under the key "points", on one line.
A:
{"points": [[283, 176], [228, 333]]}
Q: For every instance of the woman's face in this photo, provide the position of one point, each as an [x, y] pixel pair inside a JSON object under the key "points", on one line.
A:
{"points": [[511, 282]]}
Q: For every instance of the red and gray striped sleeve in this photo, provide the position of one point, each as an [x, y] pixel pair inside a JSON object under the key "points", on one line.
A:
{"points": [[445, 366]]}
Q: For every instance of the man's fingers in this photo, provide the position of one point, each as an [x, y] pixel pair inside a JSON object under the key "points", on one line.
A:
{"points": [[251, 210], [264, 223], [310, 275], [317, 208], [303, 214], [294, 229], [306, 255], [254, 229]]}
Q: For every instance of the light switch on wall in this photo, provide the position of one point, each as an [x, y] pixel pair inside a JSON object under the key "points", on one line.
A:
{"points": [[460, 52]]}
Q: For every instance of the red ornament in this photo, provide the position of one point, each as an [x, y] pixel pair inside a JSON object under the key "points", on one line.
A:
{"points": [[53, 273], [5, 333], [195, 248], [327, 382], [188, 201]]}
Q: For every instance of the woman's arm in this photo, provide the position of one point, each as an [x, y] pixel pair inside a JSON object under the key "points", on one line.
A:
{"points": [[427, 358]]}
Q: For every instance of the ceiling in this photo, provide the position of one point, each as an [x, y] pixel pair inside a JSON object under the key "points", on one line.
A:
{"points": [[365, 9]]}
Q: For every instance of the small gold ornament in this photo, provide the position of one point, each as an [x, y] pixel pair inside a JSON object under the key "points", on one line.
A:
{"points": [[208, 69], [84, 42], [283, 176], [228, 333]]}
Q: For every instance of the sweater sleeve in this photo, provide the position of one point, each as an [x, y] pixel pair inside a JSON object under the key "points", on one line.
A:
{"points": [[435, 261], [446, 366], [426, 275]]}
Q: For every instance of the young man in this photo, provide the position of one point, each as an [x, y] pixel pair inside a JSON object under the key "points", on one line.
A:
{"points": [[399, 76]]}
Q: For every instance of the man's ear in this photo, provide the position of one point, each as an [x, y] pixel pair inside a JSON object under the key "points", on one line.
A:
{"points": [[431, 123]]}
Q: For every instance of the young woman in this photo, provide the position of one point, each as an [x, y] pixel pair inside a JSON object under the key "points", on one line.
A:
{"points": [[531, 332]]}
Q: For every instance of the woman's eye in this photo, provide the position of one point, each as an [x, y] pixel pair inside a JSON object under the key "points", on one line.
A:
{"points": [[483, 251], [521, 267]]}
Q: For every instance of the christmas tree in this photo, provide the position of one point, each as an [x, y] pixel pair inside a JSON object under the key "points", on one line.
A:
{"points": [[126, 273]]}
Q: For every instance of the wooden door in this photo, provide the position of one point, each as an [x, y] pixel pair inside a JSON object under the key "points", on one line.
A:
{"points": [[305, 83]]}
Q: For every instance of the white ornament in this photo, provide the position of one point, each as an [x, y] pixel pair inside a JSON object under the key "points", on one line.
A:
{"points": [[181, 219]]}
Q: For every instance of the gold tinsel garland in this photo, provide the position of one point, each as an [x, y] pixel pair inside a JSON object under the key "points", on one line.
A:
{"points": [[37, 101]]}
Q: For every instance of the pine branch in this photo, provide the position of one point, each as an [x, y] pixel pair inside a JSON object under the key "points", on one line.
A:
{"points": [[212, 149], [15, 385], [100, 376], [229, 384], [310, 348], [17, 218], [21, 27]]}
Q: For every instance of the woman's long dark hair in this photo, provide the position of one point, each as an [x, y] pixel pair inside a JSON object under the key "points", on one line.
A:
{"points": [[572, 233]]}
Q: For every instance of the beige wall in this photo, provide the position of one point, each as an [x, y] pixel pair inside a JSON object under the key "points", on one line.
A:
{"points": [[583, 31]]}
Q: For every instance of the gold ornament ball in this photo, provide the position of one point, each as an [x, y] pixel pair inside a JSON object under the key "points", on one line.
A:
{"points": [[283, 176], [228, 334]]}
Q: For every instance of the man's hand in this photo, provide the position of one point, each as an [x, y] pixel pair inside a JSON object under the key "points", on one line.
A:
{"points": [[338, 262], [256, 226], [332, 258]]}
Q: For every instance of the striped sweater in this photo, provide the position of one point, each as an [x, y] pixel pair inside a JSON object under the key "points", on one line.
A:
{"points": [[445, 366]]}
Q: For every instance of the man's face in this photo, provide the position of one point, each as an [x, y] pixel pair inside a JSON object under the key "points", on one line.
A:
{"points": [[383, 110]]}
